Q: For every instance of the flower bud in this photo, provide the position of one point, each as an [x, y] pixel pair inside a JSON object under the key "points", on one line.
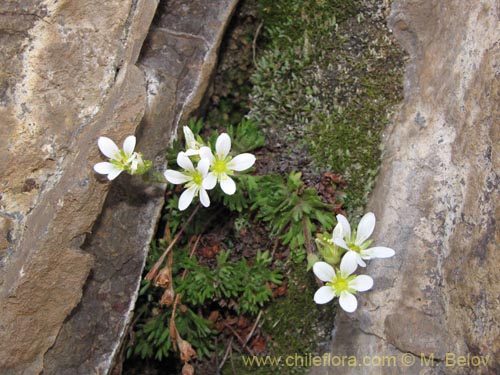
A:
{"points": [[168, 297], [328, 250], [187, 369], [186, 350], [162, 278]]}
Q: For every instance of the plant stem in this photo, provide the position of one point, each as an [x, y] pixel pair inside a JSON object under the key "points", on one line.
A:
{"points": [[152, 273], [173, 328]]}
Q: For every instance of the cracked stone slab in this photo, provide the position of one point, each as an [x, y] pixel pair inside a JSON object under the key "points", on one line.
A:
{"points": [[436, 201], [177, 60], [67, 77]]}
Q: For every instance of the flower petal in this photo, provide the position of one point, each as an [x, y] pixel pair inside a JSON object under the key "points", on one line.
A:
{"points": [[361, 283], [204, 198], [241, 162], [186, 198], [188, 136], [175, 177], [223, 145], [191, 152], [323, 271], [338, 232], [324, 295], [104, 167], [227, 185], [184, 162], [203, 166], [361, 263], [348, 302], [209, 182], [114, 173], [129, 144], [108, 147], [349, 263], [206, 153], [378, 252], [365, 228], [341, 243], [346, 228]]}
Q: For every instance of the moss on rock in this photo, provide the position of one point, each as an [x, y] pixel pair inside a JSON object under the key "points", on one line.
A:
{"points": [[329, 77]]}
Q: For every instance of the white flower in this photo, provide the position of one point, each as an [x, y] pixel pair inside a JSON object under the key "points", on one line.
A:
{"points": [[192, 178], [222, 165], [357, 242], [119, 160], [192, 145], [340, 284]]}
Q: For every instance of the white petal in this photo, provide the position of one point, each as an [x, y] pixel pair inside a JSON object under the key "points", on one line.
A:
{"points": [[114, 174], [203, 166], [227, 185], [346, 228], [108, 147], [337, 232], [324, 295], [341, 243], [133, 167], [206, 153], [378, 252], [361, 263], [209, 182], [223, 145], [349, 263], [188, 136], [204, 199], [323, 271], [191, 152], [184, 162], [129, 144], [361, 283], [175, 177], [348, 302], [186, 198], [104, 167], [241, 162], [365, 228]]}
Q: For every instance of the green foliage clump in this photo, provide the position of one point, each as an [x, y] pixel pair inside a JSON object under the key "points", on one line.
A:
{"points": [[293, 211], [242, 281], [246, 136], [152, 336]]}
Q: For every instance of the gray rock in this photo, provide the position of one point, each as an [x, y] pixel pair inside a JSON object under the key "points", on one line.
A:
{"points": [[60, 91], [178, 58], [437, 203]]}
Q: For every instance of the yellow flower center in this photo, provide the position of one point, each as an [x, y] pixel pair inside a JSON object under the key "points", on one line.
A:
{"points": [[197, 178], [341, 284], [353, 247], [219, 167], [121, 159]]}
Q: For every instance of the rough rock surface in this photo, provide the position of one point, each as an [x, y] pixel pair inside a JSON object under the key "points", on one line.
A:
{"points": [[178, 58], [70, 74], [437, 202], [60, 90]]}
